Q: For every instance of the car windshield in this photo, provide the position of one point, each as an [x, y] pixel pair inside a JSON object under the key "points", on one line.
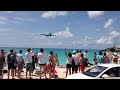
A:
{"points": [[95, 71]]}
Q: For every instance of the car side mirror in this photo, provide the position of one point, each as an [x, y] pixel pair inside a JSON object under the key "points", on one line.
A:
{"points": [[104, 76]]}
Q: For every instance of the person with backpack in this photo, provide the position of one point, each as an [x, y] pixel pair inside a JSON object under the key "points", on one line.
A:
{"points": [[11, 60]]}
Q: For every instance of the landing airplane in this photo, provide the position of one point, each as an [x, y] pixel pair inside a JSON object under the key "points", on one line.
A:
{"points": [[50, 34]]}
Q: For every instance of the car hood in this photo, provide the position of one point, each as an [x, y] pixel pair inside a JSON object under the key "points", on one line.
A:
{"points": [[78, 76]]}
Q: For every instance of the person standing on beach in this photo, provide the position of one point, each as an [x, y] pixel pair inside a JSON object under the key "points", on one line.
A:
{"points": [[94, 59], [1, 65], [36, 58], [41, 60], [85, 55], [76, 59], [79, 55], [100, 58], [115, 58], [15, 63], [56, 59], [3, 54], [51, 62], [33, 61], [105, 59], [11, 59], [82, 63], [69, 62], [29, 66], [20, 61]]}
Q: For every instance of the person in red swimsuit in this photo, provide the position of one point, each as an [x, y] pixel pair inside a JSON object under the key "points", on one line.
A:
{"points": [[82, 63]]}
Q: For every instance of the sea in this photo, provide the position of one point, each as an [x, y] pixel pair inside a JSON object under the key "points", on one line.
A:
{"points": [[61, 55]]}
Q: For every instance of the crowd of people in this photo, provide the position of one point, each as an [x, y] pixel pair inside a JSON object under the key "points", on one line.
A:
{"points": [[16, 62], [77, 61]]}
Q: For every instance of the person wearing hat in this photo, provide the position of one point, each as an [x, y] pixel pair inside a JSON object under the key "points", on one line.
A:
{"points": [[76, 58], [115, 58]]}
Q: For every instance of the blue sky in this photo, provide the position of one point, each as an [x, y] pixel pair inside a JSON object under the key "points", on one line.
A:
{"points": [[74, 29]]}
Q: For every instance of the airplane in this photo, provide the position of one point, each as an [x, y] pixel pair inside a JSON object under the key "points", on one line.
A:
{"points": [[50, 34]]}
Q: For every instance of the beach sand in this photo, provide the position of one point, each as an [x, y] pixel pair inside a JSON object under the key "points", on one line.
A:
{"points": [[61, 72]]}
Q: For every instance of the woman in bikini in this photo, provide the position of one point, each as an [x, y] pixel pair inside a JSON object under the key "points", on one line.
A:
{"points": [[51, 62]]}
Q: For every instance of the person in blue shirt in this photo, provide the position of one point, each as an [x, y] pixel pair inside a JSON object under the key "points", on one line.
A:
{"points": [[100, 57]]}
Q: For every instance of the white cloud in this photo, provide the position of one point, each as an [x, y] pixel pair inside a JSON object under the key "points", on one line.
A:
{"points": [[2, 22], [53, 14], [3, 18], [9, 11], [66, 33], [95, 14], [108, 24], [110, 39]]}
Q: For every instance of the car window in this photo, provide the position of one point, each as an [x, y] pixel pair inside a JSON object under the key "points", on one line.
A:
{"points": [[95, 71], [113, 72]]}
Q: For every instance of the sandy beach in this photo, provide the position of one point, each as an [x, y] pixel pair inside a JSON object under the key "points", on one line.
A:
{"points": [[61, 72]]}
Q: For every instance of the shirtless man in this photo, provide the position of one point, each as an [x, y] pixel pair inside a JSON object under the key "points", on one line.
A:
{"points": [[51, 62]]}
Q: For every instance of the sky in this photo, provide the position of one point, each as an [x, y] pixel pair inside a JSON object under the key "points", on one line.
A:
{"points": [[74, 29]]}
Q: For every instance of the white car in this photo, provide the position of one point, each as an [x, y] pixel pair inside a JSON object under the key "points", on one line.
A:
{"points": [[101, 71]]}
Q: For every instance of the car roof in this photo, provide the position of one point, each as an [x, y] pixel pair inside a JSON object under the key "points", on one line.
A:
{"points": [[110, 65]]}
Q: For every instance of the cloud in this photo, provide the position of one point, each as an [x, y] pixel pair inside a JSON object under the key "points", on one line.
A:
{"points": [[111, 39], [53, 14], [108, 24], [9, 11], [2, 22], [64, 34], [3, 18], [95, 14]]}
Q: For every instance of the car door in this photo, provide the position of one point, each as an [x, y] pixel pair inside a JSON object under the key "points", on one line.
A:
{"points": [[113, 73]]}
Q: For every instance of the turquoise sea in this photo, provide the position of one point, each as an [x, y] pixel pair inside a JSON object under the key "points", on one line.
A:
{"points": [[61, 55]]}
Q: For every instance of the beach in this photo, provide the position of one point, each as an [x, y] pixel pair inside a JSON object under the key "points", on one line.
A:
{"points": [[60, 72]]}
